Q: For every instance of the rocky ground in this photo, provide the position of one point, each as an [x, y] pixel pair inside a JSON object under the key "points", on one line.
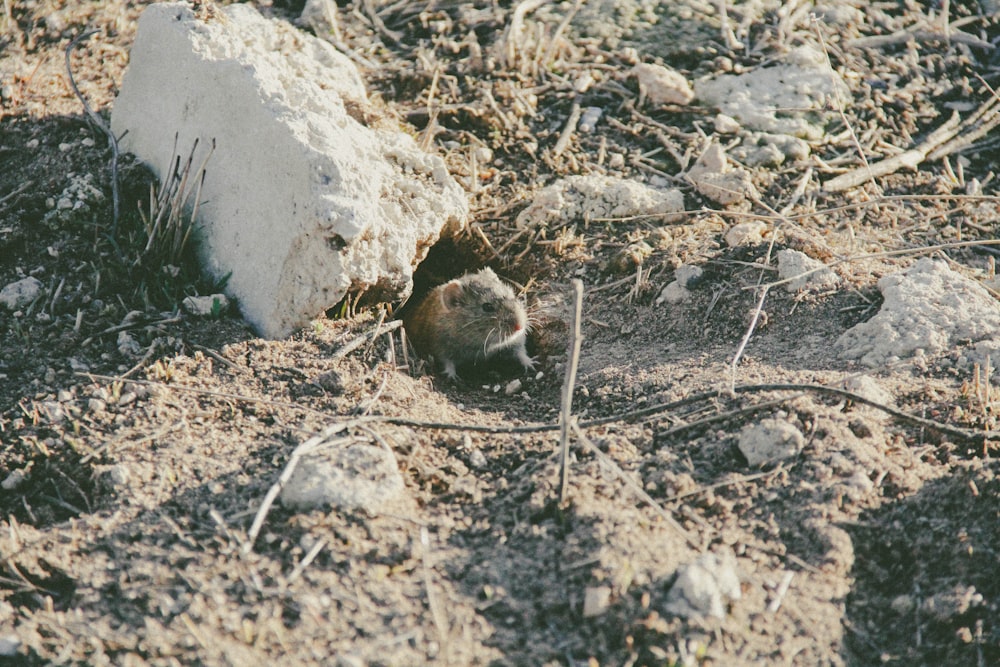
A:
{"points": [[139, 443]]}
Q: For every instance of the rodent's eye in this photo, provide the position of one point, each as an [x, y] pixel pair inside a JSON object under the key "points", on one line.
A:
{"points": [[489, 307]]}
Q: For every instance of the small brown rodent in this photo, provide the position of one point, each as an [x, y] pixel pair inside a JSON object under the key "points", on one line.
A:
{"points": [[469, 319]]}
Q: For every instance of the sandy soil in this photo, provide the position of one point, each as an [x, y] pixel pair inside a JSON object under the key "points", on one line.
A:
{"points": [[148, 439]]}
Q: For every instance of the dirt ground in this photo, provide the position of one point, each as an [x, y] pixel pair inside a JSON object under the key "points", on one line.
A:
{"points": [[147, 439]]}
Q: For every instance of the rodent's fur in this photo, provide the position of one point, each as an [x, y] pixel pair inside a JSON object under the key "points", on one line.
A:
{"points": [[469, 319]]}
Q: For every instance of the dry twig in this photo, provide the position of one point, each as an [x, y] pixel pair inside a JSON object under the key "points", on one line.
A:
{"points": [[565, 416], [99, 122]]}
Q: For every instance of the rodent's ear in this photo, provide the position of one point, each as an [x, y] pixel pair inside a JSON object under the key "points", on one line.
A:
{"points": [[451, 294]]}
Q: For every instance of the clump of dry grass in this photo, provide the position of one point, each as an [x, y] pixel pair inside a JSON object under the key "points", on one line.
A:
{"points": [[173, 208]]}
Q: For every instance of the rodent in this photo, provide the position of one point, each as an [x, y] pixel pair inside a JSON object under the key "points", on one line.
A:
{"points": [[469, 319]]}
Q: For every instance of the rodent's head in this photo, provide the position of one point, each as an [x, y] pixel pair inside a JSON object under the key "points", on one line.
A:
{"points": [[484, 308]]}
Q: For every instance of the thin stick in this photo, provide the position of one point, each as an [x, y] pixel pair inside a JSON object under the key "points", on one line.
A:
{"points": [[99, 122], [567, 396], [888, 253], [780, 593], [609, 463], [306, 560], [569, 129], [966, 435], [720, 485], [865, 171], [437, 611], [746, 339], [911, 159], [370, 336]]}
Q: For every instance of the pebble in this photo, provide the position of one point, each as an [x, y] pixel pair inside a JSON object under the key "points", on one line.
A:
{"points": [[704, 587], [770, 440], [596, 600], [20, 293], [356, 476], [13, 480], [9, 646]]}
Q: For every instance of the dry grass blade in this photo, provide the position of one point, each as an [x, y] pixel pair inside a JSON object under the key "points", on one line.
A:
{"points": [[565, 416], [173, 211]]}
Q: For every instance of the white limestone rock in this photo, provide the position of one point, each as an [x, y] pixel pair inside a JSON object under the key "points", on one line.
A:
{"points": [[302, 200], [354, 477], [789, 98], [746, 233], [212, 305], [577, 198], [926, 309], [715, 178], [794, 264], [20, 293], [770, 441], [766, 149], [868, 387], [662, 85], [704, 588]]}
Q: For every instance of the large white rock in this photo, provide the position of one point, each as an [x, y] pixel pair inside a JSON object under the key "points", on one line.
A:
{"points": [[928, 307], [302, 201], [594, 196], [789, 98]]}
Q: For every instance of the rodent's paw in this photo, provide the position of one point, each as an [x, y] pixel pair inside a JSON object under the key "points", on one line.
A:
{"points": [[529, 363], [449, 369]]}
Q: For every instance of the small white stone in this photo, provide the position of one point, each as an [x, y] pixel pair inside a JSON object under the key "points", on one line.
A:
{"points": [[927, 307], [726, 124], [594, 196], [78, 366], [868, 387], [13, 480], [746, 233], [128, 346], [714, 178], [704, 587], [512, 387], [357, 476], [54, 411], [788, 98], [583, 82], [65, 147], [792, 263], [589, 119], [596, 600], [673, 293], [20, 293], [213, 305], [477, 459], [9, 646], [663, 85], [770, 440]]}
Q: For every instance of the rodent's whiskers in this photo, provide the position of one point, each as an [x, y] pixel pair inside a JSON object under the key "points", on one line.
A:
{"points": [[486, 343]]}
